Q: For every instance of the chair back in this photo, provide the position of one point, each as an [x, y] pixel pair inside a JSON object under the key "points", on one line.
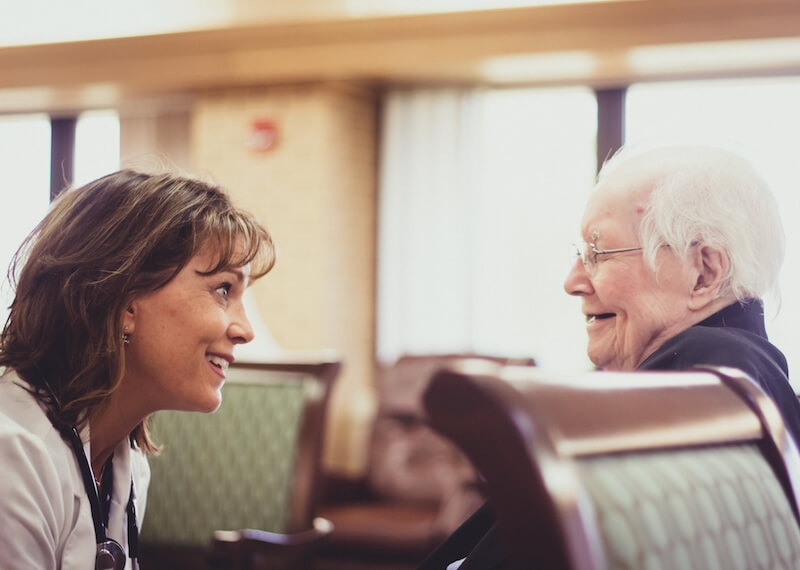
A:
{"points": [[606, 470], [252, 464], [409, 462]]}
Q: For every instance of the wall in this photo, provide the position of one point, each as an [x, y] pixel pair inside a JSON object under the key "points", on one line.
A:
{"points": [[155, 138], [316, 193]]}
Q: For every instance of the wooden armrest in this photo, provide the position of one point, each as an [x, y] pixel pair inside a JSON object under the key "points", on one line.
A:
{"points": [[237, 549], [322, 528]]}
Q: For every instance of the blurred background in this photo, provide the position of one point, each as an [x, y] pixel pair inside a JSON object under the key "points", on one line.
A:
{"points": [[422, 165]]}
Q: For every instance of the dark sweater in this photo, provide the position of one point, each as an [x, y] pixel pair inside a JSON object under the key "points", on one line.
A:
{"points": [[736, 337]]}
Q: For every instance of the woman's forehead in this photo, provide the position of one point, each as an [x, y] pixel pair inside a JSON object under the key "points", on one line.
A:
{"points": [[618, 203], [611, 219]]}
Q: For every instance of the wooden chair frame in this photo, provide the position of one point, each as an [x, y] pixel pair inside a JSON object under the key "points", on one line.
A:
{"points": [[523, 427]]}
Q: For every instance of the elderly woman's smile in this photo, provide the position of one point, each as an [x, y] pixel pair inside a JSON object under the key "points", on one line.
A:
{"points": [[590, 319]]}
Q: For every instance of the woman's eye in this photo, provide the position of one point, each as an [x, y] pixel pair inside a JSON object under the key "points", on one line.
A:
{"points": [[224, 289]]}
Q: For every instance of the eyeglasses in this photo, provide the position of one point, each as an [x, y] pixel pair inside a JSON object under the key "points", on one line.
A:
{"points": [[587, 253]]}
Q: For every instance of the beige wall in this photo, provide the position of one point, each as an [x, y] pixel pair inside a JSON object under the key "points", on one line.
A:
{"points": [[316, 193], [155, 139]]}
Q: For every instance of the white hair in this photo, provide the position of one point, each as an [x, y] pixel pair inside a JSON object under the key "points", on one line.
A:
{"points": [[713, 196]]}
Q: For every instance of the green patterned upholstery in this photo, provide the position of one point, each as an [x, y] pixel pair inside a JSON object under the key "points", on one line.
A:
{"points": [[228, 470], [627, 471], [717, 508]]}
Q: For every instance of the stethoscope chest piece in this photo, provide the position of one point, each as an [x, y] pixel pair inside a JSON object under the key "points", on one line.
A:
{"points": [[110, 556]]}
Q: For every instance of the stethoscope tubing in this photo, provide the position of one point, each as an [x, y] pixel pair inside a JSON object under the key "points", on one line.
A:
{"points": [[88, 482], [107, 549]]}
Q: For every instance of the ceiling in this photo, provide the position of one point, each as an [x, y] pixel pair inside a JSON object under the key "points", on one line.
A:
{"points": [[599, 43]]}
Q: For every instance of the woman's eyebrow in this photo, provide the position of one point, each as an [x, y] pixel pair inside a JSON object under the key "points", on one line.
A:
{"points": [[240, 275]]}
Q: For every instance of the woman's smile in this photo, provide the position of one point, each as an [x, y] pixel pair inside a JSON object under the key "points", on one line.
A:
{"points": [[219, 364]]}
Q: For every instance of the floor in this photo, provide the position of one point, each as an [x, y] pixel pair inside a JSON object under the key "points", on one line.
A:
{"points": [[190, 559], [344, 564]]}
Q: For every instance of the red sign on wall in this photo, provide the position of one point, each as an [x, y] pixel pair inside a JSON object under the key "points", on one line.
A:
{"points": [[263, 135]]}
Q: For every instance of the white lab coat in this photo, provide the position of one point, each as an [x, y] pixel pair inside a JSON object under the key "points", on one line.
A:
{"points": [[45, 512]]}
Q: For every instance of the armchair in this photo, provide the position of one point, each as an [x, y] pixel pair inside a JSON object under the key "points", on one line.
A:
{"points": [[239, 486], [418, 487], [627, 471]]}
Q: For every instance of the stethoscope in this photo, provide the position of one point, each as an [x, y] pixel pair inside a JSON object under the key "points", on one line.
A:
{"points": [[110, 555]]}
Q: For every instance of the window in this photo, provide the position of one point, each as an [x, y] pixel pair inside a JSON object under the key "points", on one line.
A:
{"points": [[25, 147], [539, 159], [96, 145], [24, 186], [480, 193]]}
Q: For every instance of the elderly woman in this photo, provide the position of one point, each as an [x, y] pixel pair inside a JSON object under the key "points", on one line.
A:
{"points": [[128, 300], [680, 245]]}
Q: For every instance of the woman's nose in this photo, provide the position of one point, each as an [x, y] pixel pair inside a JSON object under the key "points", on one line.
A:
{"points": [[578, 281], [240, 330]]}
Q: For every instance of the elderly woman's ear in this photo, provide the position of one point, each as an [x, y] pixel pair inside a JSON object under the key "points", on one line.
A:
{"points": [[709, 268]]}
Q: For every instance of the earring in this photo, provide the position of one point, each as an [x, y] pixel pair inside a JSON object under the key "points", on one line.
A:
{"points": [[126, 338]]}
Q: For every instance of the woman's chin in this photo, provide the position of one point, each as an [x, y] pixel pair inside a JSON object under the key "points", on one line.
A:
{"points": [[207, 405], [600, 357]]}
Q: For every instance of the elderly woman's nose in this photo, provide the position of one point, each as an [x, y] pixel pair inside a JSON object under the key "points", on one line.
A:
{"points": [[577, 281]]}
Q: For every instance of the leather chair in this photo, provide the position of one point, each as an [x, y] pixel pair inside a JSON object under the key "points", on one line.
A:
{"points": [[627, 471], [239, 488], [418, 487]]}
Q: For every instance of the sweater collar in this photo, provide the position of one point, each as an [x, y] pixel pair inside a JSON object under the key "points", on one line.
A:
{"points": [[747, 315]]}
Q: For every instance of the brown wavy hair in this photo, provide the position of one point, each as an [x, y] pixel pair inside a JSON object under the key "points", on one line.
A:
{"points": [[99, 247]]}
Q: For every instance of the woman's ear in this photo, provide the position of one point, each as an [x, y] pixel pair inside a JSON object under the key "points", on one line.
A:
{"points": [[711, 265], [129, 318]]}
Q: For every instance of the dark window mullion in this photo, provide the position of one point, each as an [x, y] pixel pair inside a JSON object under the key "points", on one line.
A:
{"points": [[62, 153], [610, 122]]}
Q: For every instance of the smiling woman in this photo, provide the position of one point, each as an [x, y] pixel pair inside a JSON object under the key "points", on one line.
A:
{"points": [[182, 335], [129, 300]]}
